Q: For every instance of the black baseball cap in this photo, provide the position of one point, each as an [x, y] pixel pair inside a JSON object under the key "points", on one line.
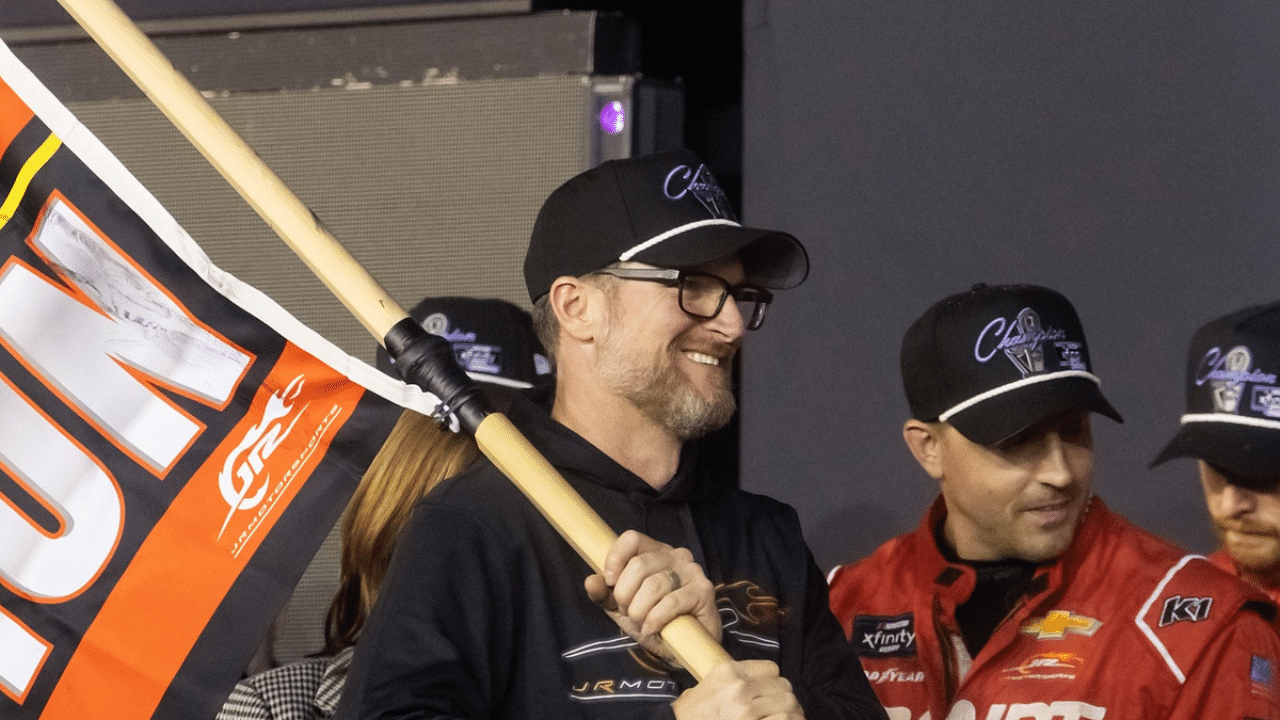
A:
{"points": [[665, 210], [995, 360], [493, 340], [1233, 397]]}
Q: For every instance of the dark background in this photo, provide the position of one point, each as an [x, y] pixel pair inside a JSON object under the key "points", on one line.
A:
{"points": [[1123, 152]]}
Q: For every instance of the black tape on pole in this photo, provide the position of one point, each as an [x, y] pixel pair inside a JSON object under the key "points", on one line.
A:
{"points": [[427, 361]]}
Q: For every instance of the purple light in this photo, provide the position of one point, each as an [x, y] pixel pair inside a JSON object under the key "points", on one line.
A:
{"points": [[613, 119]]}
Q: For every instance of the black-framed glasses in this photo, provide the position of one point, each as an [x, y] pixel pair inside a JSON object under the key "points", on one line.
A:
{"points": [[702, 295]]}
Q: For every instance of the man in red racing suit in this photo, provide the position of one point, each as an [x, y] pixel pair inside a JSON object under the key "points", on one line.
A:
{"points": [[1122, 624], [1021, 596]]}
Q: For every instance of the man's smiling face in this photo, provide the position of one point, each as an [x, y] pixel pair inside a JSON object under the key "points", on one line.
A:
{"points": [[1022, 498], [676, 368]]}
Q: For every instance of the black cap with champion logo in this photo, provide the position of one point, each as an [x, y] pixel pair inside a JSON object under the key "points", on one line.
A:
{"points": [[995, 360], [1233, 398], [493, 340], [664, 210]]}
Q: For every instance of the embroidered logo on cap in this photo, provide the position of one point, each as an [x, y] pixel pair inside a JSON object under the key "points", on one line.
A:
{"points": [[485, 359], [1227, 374], [1023, 342], [470, 355], [1266, 400], [1069, 355], [541, 365], [683, 179]]}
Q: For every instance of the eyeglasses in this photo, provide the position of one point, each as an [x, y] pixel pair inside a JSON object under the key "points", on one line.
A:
{"points": [[702, 295]]}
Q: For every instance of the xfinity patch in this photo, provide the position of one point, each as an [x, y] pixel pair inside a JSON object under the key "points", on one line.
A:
{"points": [[878, 636]]}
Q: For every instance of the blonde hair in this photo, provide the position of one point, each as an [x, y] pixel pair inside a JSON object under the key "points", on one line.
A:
{"points": [[417, 456]]}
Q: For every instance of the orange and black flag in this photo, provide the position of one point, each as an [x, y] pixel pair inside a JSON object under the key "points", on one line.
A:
{"points": [[173, 446]]}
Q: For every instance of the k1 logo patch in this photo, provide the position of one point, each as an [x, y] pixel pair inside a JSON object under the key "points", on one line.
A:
{"points": [[1179, 609], [879, 636]]}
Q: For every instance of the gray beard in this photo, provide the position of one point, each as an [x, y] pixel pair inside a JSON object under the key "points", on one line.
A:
{"points": [[664, 396]]}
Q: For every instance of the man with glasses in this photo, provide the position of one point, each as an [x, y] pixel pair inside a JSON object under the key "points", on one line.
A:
{"points": [[702, 295], [644, 286]]}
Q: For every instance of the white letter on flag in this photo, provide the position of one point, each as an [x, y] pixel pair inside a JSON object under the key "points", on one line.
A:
{"points": [[80, 347]]}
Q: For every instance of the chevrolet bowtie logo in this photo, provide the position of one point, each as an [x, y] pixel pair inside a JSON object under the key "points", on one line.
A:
{"points": [[1058, 623]]}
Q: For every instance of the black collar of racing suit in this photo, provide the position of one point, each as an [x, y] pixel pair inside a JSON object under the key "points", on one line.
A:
{"points": [[998, 588]]}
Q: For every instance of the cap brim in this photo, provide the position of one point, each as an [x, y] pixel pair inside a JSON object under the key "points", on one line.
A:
{"points": [[1250, 453], [770, 258], [1001, 417]]}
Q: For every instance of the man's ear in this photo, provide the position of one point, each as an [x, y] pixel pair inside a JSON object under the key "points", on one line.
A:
{"points": [[576, 305], [925, 442]]}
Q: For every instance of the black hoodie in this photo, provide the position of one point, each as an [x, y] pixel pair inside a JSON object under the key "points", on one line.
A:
{"points": [[483, 612]]}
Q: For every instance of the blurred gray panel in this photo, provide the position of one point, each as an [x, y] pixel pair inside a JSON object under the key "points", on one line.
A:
{"points": [[1124, 153]]}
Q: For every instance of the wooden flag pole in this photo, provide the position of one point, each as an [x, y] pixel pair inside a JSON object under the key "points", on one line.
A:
{"points": [[294, 222]]}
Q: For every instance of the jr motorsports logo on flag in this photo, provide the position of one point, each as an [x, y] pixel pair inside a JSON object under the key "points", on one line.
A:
{"points": [[171, 454]]}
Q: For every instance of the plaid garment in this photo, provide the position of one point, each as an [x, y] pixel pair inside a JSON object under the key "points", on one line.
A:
{"points": [[305, 690]]}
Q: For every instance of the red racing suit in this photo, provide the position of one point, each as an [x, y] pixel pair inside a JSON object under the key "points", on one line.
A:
{"points": [[1222, 559], [1123, 625]]}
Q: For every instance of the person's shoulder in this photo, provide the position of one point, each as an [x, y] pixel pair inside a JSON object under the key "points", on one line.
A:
{"points": [[754, 503], [877, 589], [482, 488], [1193, 590], [758, 517], [1188, 606], [479, 501], [1115, 546], [1162, 571], [480, 506], [1197, 608], [286, 691], [892, 559], [305, 673]]}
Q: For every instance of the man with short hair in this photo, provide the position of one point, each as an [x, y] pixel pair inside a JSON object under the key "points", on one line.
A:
{"points": [[644, 286], [1021, 595], [1232, 429]]}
